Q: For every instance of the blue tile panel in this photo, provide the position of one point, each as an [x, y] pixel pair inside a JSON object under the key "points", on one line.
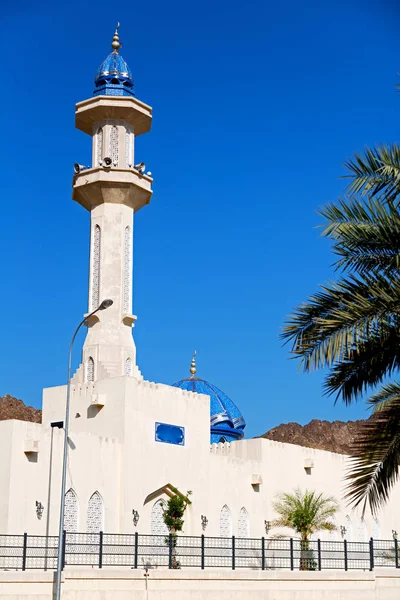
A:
{"points": [[225, 418], [170, 434], [113, 77]]}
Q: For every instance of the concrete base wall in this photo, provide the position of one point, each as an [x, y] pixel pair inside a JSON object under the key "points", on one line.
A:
{"points": [[207, 585]]}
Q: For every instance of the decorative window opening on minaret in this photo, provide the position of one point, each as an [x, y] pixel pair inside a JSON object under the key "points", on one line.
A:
{"points": [[71, 513], [127, 269], [243, 524], [114, 150], [89, 370], [96, 267], [99, 147], [95, 513], [128, 367], [128, 147], [225, 522]]}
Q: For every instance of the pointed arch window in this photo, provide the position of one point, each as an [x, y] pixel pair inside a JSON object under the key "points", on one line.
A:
{"points": [[99, 147], [376, 529], [349, 529], [157, 525], [95, 513], [89, 370], [362, 531], [128, 147], [243, 530], [96, 267], [128, 367], [71, 513], [127, 270], [225, 522], [114, 146]]}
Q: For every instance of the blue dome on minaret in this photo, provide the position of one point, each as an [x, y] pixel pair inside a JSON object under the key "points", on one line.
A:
{"points": [[114, 77], [226, 421]]}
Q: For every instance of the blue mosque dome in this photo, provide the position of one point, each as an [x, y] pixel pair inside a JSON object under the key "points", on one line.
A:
{"points": [[114, 77], [226, 420]]}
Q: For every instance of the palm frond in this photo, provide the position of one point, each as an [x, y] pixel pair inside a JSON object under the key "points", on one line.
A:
{"points": [[324, 330], [367, 364], [375, 462], [365, 234], [377, 171]]}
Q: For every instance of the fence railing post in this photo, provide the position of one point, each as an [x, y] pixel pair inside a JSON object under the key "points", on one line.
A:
{"points": [[291, 554], [24, 548], [396, 553], [263, 553], [233, 553], [64, 546], [170, 551], [202, 550], [319, 554], [346, 558], [371, 554], [136, 549], [100, 550]]}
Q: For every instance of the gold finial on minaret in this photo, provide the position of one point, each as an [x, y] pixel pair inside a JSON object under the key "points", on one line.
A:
{"points": [[116, 44], [193, 365]]}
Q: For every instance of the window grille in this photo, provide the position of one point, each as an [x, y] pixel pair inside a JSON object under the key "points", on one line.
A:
{"points": [[96, 267], [71, 512], [128, 367], [243, 524], [95, 514], [157, 525], [114, 149], [99, 147], [128, 148], [225, 522], [127, 269], [89, 370]]}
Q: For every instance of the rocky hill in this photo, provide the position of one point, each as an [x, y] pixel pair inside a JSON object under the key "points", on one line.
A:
{"points": [[12, 408], [322, 435]]}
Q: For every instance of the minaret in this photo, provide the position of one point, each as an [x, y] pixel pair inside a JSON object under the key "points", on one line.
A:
{"points": [[113, 190]]}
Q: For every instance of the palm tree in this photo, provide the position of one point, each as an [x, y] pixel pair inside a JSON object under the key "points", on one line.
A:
{"points": [[352, 325], [306, 513]]}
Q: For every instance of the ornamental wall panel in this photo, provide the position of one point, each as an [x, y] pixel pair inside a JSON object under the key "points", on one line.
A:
{"points": [[157, 525], [243, 530], [225, 522], [95, 514], [71, 512]]}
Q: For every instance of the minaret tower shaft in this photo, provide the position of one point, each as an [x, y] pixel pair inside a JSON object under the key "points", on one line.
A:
{"points": [[113, 190]]}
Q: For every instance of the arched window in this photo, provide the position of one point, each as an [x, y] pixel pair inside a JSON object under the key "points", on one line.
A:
{"points": [[114, 149], [362, 531], [243, 530], [95, 513], [99, 147], [128, 367], [349, 529], [71, 513], [89, 370], [96, 267], [225, 522], [157, 525], [127, 269], [376, 530], [128, 148]]}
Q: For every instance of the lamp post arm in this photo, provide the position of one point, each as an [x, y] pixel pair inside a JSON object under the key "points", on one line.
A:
{"points": [[65, 457]]}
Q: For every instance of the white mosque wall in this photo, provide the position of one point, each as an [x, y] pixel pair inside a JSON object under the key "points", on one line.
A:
{"points": [[112, 451]]}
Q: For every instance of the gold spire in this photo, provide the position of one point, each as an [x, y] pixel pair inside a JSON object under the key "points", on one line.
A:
{"points": [[116, 44], [193, 365]]}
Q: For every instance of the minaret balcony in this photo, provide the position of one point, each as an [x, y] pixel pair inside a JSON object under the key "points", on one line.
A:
{"points": [[120, 108], [98, 185]]}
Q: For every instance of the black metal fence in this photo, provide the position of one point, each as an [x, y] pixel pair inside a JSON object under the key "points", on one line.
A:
{"points": [[151, 551]]}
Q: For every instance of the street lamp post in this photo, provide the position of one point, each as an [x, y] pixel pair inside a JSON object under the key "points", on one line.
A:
{"points": [[105, 304]]}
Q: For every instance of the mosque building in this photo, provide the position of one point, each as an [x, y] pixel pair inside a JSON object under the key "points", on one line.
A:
{"points": [[130, 440]]}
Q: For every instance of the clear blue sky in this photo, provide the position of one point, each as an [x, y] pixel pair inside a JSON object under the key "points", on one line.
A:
{"points": [[256, 106]]}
